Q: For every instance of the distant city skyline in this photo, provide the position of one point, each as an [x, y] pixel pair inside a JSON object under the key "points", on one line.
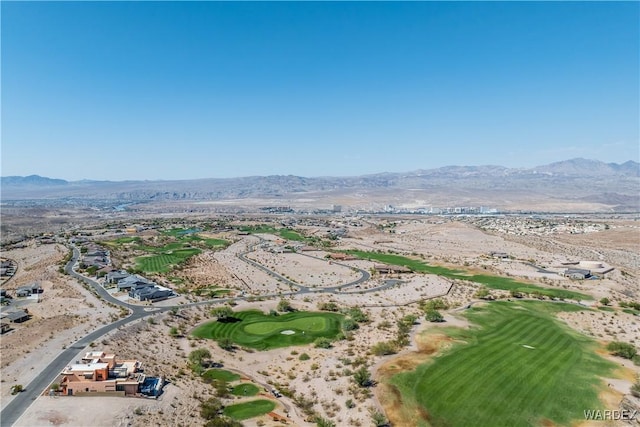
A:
{"points": [[168, 90]]}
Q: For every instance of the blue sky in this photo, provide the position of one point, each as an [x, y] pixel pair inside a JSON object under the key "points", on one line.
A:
{"points": [[142, 90]]}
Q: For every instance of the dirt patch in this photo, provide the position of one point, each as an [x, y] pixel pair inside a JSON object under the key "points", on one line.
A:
{"points": [[54, 418], [398, 411]]}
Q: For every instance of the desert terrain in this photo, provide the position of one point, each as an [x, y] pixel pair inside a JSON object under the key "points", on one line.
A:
{"points": [[321, 385]]}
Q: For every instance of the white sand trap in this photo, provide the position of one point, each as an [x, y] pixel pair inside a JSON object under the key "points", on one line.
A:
{"points": [[288, 332], [528, 346]]}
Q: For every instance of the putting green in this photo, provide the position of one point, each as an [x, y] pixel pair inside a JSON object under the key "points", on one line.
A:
{"points": [[307, 324], [246, 410], [257, 330], [245, 389]]}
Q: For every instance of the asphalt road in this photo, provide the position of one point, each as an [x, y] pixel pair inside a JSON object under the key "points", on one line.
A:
{"points": [[21, 401], [14, 409]]}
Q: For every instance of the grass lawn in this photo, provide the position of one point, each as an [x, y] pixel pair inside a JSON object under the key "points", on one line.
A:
{"points": [[164, 262], [285, 233], [246, 389], [161, 259], [220, 374], [246, 410], [495, 282], [121, 241], [212, 292], [519, 367], [255, 329]]}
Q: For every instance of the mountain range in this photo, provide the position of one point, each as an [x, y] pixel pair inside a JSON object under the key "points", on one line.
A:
{"points": [[592, 184]]}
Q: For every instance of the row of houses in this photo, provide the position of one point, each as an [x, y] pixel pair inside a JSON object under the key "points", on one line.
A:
{"points": [[95, 257], [138, 287], [7, 317], [7, 268]]}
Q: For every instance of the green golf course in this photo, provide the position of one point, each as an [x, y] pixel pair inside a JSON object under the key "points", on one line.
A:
{"points": [[246, 410], [257, 330], [519, 366], [494, 282]]}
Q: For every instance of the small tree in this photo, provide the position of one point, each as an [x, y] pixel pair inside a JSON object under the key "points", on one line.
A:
{"points": [[328, 306], [435, 304], [284, 306], [482, 293], [434, 316], [622, 349], [222, 313], [210, 408], [323, 422], [378, 418], [358, 315], [362, 377], [222, 388], [384, 348], [322, 342], [349, 324], [605, 301], [197, 358], [226, 344], [409, 319]]}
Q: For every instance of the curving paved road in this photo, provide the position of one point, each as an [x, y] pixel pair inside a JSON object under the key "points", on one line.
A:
{"points": [[14, 409], [21, 401]]}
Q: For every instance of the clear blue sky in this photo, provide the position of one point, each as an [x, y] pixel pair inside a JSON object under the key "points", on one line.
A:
{"points": [[142, 90]]}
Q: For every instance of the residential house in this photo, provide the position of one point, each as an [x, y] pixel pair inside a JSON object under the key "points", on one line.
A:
{"points": [[20, 292], [341, 256], [577, 273], [150, 293], [116, 276], [25, 291], [132, 281], [17, 316], [391, 269], [4, 326], [99, 372]]}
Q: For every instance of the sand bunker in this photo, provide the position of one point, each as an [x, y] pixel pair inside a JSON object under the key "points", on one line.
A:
{"points": [[528, 346], [288, 332]]}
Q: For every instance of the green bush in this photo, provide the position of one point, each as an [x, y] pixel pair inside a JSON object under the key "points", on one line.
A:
{"points": [[434, 316], [384, 348], [622, 349], [322, 343]]}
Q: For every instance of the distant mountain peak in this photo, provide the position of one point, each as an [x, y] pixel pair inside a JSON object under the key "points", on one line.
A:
{"points": [[587, 167], [35, 180]]}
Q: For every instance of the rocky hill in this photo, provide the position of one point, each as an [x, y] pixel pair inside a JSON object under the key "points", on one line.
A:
{"points": [[581, 182]]}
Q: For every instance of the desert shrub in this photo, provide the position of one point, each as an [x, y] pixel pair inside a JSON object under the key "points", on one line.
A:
{"points": [[622, 349], [322, 342], [384, 348], [434, 316]]}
